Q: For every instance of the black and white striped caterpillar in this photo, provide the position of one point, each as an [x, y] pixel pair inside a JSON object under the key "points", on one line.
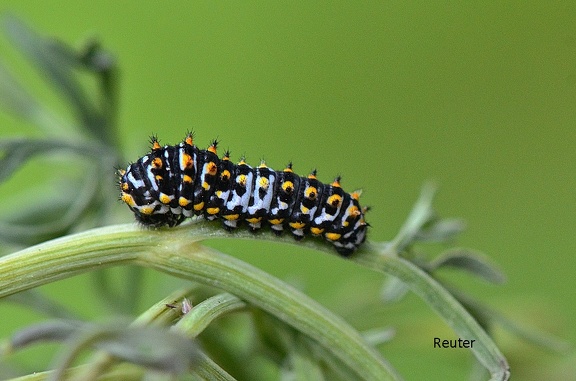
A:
{"points": [[172, 183]]}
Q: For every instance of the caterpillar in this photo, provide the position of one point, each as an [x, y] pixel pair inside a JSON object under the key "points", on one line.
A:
{"points": [[172, 183]]}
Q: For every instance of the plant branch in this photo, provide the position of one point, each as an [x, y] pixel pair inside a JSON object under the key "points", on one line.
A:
{"points": [[177, 252]]}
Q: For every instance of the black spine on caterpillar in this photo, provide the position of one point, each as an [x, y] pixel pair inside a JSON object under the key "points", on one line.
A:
{"points": [[172, 183]]}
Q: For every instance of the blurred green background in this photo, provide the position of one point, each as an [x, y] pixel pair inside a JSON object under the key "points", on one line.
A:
{"points": [[478, 96]]}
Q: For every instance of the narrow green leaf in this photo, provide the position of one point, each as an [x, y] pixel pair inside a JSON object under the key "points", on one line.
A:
{"points": [[103, 65], [58, 64], [421, 214], [48, 56], [468, 260], [52, 330], [195, 321], [151, 347], [441, 231]]}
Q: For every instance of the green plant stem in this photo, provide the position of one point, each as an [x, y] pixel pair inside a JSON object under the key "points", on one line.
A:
{"points": [[207, 369], [274, 296], [181, 255], [195, 321], [445, 305], [178, 252]]}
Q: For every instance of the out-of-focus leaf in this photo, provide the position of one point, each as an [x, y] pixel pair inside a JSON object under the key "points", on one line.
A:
{"points": [[531, 335], [301, 362], [441, 230], [34, 300], [150, 346], [49, 57], [16, 152], [471, 261], [333, 369], [393, 290], [103, 64], [273, 337], [379, 336], [490, 317], [22, 233], [421, 214], [58, 63], [124, 299], [53, 330], [50, 216], [96, 59], [14, 97]]}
